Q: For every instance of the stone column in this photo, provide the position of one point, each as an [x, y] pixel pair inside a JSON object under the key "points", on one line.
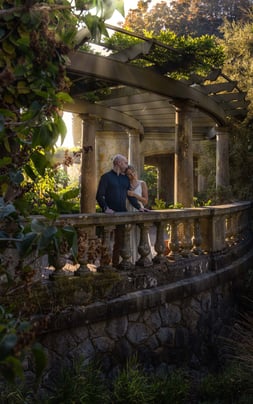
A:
{"points": [[183, 174], [166, 173], [88, 165], [222, 157], [134, 149], [77, 129]]}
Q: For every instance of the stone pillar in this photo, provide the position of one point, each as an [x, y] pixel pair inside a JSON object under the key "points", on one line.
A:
{"points": [[77, 125], [183, 174], [88, 166], [166, 174], [222, 157], [134, 149]]}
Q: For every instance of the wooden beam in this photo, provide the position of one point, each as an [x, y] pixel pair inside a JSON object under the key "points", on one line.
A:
{"points": [[133, 76], [219, 87], [99, 111], [228, 97], [132, 52]]}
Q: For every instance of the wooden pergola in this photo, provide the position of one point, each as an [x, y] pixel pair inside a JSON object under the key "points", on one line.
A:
{"points": [[147, 101]]}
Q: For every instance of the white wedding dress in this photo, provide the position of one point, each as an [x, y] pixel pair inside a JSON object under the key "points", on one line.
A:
{"points": [[135, 231]]}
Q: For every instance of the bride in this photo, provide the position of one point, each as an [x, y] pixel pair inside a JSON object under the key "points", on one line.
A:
{"points": [[139, 190]]}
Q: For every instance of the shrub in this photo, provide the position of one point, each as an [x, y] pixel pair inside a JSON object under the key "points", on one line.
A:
{"points": [[132, 386]]}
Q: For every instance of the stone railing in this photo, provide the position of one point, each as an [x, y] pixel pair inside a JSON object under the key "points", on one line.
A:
{"points": [[199, 240]]}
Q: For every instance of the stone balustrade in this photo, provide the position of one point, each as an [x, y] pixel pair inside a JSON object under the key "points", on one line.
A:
{"points": [[169, 311], [199, 239]]}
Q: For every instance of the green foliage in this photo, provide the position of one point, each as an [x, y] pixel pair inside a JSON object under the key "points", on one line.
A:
{"points": [[191, 17], [85, 384], [200, 200], [131, 386], [159, 204], [177, 205], [32, 63], [50, 239], [150, 177], [36, 39], [237, 44], [232, 385], [183, 55], [13, 234], [172, 388], [16, 336], [82, 385]]}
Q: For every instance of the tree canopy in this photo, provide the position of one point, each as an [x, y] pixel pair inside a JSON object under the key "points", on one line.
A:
{"points": [[187, 17]]}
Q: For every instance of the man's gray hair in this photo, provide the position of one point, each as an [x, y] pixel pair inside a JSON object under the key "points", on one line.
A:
{"points": [[117, 158]]}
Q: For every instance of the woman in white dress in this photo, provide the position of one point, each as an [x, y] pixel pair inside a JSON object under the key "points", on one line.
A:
{"points": [[139, 190]]}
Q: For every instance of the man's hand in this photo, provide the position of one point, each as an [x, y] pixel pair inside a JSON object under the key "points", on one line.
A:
{"points": [[108, 210]]}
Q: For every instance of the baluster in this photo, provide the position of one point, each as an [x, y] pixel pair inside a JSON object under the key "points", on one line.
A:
{"points": [[82, 255], [106, 251], [229, 232], [187, 240], [159, 243], [196, 239], [244, 225], [174, 242], [125, 250], [236, 227], [144, 246], [57, 260]]}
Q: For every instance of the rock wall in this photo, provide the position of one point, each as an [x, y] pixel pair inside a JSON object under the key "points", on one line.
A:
{"points": [[170, 325]]}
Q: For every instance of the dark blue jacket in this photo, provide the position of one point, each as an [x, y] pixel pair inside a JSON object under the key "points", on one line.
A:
{"points": [[112, 192]]}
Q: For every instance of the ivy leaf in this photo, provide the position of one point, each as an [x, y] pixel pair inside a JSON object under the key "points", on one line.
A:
{"points": [[7, 343], [61, 96], [40, 162]]}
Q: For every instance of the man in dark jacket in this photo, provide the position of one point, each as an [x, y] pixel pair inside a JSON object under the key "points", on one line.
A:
{"points": [[113, 187], [112, 195]]}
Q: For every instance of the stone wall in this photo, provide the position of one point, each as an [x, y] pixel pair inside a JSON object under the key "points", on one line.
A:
{"points": [[170, 325]]}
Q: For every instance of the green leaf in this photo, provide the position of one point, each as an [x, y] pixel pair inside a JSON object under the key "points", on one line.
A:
{"points": [[64, 97], [6, 113], [85, 5], [8, 48], [70, 194], [7, 210], [6, 345], [37, 226], [2, 32], [12, 369], [47, 236], [26, 245], [39, 358], [119, 6], [61, 126], [29, 171], [5, 161], [16, 177], [24, 41], [33, 110], [70, 234], [40, 162]]}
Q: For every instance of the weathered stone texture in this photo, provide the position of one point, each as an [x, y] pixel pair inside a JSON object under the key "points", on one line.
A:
{"points": [[161, 325]]}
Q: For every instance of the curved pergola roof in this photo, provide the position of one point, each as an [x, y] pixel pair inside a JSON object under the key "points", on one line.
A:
{"points": [[143, 99]]}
